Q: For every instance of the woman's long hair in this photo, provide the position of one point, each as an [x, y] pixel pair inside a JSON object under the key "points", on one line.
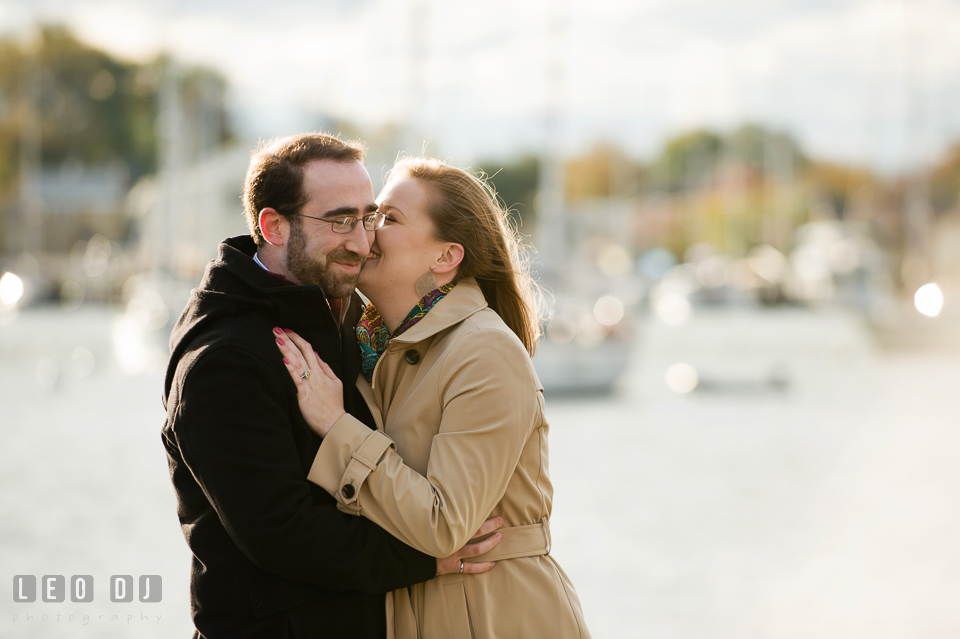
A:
{"points": [[466, 210]]}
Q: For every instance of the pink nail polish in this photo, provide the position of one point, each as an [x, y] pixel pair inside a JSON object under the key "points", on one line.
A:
{"points": [[287, 330], [285, 360], [279, 341], [278, 331]]}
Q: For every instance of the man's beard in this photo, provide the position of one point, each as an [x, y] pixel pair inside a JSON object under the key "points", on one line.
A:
{"points": [[315, 270]]}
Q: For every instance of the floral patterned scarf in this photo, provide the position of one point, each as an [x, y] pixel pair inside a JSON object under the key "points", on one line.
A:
{"points": [[373, 335]]}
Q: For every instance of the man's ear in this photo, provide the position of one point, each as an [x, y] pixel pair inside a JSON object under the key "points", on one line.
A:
{"points": [[273, 226], [449, 259]]}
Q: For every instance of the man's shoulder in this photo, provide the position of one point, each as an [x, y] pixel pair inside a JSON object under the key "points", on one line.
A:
{"points": [[231, 339]]}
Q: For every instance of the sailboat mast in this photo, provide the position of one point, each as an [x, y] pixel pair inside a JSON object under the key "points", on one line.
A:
{"points": [[551, 204]]}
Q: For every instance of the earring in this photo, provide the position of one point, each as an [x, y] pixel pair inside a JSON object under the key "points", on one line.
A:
{"points": [[426, 284]]}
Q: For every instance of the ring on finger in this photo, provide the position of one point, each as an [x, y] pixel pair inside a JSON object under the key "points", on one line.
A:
{"points": [[461, 566], [306, 375]]}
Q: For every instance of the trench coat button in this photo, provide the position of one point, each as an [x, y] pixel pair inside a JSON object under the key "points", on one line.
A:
{"points": [[412, 357], [348, 491]]}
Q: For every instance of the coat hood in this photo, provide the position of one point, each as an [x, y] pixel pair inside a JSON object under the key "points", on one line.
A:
{"points": [[233, 286]]}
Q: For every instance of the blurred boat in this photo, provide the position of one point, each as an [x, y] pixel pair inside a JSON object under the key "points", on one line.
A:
{"points": [[572, 369]]}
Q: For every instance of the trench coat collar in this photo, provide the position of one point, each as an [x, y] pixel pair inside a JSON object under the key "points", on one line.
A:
{"points": [[464, 300]]}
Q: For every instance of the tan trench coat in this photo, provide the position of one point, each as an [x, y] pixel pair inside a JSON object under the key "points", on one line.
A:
{"points": [[461, 437]]}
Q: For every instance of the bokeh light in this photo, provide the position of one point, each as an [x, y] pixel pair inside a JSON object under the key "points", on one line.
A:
{"points": [[929, 300], [11, 289], [672, 309], [682, 378], [608, 310]]}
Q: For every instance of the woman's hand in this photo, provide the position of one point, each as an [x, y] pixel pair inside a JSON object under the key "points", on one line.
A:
{"points": [[456, 563], [319, 391]]}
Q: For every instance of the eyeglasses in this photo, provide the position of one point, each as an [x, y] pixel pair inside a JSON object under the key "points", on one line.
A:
{"points": [[347, 223]]}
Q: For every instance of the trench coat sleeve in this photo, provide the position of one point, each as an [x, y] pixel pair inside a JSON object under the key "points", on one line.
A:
{"points": [[490, 407], [235, 434]]}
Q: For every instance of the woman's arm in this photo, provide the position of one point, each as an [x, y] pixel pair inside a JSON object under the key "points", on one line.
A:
{"points": [[490, 408]]}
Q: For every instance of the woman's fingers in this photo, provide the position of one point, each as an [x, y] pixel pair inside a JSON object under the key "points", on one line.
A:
{"points": [[326, 369], [309, 355], [311, 358], [293, 358], [319, 390]]}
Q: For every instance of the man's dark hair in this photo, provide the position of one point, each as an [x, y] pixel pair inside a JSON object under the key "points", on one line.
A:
{"points": [[275, 175]]}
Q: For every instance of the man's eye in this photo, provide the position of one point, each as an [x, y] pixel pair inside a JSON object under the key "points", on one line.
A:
{"points": [[342, 222]]}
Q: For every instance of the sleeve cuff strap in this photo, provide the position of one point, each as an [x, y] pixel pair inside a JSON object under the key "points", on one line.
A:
{"points": [[349, 453]]}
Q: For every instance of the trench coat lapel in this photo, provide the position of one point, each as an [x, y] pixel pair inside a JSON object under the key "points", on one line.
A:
{"points": [[464, 300]]}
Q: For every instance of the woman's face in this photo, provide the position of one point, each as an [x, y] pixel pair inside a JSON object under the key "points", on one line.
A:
{"points": [[405, 248]]}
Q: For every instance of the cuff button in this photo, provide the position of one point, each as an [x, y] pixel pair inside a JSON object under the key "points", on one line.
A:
{"points": [[348, 491]]}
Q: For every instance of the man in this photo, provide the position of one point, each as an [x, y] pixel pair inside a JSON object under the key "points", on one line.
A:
{"points": [[272, 555]]}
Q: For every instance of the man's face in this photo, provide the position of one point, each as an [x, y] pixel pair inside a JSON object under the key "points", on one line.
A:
{"points": [[314, 253]]}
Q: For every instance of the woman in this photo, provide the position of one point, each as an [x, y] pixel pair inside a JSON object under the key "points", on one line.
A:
{"points": [[454, 392]]}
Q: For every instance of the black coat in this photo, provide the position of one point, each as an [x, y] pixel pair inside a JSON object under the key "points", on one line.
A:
{"points": [[272, 555]]}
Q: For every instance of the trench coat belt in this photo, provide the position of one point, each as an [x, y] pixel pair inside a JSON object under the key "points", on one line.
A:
{"points": [[519, 541]]}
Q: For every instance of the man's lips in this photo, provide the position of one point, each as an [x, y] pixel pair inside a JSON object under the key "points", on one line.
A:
{"points": [[350, 266], [346, 260]]}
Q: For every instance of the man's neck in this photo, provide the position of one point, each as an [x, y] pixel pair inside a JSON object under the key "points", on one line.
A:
{"points": [[266, 258], [269, 256]]}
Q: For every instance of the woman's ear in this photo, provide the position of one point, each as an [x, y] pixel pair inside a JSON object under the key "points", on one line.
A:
{"points": [[450, 259], [273, 226]]}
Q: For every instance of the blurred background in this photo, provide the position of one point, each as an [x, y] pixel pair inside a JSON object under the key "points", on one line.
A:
{"points": [[746, 216]]}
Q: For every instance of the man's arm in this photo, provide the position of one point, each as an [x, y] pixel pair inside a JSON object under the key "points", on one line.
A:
{"points": [[233, 429]]}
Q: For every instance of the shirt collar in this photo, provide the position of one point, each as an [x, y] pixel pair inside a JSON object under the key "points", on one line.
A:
{"points": [[337, 306]]}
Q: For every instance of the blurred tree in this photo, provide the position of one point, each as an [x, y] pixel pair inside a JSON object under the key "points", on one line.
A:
{"points": [[835, 184], [762, 149], [90, 107], [688, 160], [603, 172], [516, 184], [692, 160], [945, 181]]}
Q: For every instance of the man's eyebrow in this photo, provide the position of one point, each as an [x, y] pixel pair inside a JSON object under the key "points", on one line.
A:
{"points": [[350, 210], [342, 211]]}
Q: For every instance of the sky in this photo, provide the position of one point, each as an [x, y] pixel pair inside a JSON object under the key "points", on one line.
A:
{"points": [[872, 82]]}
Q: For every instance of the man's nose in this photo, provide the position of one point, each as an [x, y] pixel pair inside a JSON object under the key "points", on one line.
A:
{"points": [[359, 240]]}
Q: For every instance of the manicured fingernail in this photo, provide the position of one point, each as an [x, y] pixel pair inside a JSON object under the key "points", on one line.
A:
{"points": [[287, 330], [499, 536], [278, 331], [279, 341], [285, 360], [316, 353]]}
